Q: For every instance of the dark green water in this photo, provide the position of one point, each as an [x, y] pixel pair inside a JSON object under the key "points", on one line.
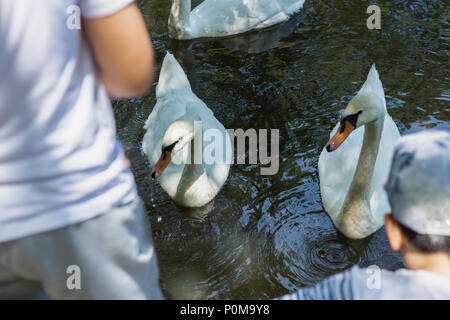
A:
{"points": [[264, 236]]}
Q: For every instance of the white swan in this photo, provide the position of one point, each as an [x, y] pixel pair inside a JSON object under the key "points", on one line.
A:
{"points": [[219, 18], [351, 186], [176, 125]]}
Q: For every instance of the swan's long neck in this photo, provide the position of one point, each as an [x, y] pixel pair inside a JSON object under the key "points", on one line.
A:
{"points": [[192, 170], [180, 16], [355, 215]]}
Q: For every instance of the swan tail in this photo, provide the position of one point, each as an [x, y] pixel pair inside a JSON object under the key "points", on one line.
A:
{"points": [[373, 83], [172, 77]]}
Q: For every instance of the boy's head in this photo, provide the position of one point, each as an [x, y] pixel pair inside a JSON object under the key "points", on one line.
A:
{"points": [[418, 189]]}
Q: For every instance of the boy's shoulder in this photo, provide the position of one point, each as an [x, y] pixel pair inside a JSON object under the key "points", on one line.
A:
{"points": [[376, 283]]}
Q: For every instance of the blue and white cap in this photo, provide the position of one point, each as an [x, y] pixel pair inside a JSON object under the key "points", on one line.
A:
{"points": [[418, 185]]}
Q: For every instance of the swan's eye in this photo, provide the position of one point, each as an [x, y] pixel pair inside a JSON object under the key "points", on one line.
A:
{"points": [[169, 148], [352, 119]]}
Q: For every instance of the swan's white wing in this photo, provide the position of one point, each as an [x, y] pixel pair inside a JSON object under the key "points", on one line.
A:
{"points": [[373, 85], [172, 78], [214, 18], [379, 203]]}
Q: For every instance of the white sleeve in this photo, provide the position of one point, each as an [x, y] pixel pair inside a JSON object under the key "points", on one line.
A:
{"points": [[337, 287], [101, 8]]}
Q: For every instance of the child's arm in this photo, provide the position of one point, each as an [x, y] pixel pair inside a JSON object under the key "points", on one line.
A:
{"points": [[123, 51]]}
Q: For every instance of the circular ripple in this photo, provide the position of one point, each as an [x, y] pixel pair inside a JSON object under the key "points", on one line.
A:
{"points": [[329, 254], [308, 249]]}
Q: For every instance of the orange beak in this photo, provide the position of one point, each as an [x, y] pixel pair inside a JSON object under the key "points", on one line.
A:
{"points": [[343, 132], [162, 163]]}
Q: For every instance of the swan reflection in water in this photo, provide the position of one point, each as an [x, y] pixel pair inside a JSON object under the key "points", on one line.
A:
{"points": [[198, 214], [252, 42]]}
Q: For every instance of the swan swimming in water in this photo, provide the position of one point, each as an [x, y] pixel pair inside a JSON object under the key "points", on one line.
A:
{"points": [[214, 18], [356, 160], [173, 131]]}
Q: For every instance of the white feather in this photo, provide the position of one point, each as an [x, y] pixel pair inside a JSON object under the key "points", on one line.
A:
{"points": [[175, 100], [219, 18]]}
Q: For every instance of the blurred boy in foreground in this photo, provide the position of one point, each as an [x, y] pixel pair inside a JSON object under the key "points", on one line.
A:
{"points": [[418, 188], [71, 223]]}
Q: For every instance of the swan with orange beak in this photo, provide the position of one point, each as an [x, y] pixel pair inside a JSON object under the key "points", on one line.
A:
{"points": [[355, 161], [348, 124], [174, 141]]}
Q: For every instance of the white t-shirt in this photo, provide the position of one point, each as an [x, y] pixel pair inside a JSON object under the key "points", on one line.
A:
{"points": [[60, 161]]}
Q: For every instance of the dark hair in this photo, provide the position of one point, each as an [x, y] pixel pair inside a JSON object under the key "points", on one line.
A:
{"points": [[427, 243]]}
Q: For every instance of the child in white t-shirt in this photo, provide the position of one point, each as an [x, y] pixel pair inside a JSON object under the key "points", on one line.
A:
{"points": [[71, 222]]}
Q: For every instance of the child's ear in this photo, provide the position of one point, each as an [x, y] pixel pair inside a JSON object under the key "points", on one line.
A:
{"points": [[394, 233]]}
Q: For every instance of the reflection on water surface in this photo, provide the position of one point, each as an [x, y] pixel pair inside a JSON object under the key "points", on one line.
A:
{"points": [[264, 236]]}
